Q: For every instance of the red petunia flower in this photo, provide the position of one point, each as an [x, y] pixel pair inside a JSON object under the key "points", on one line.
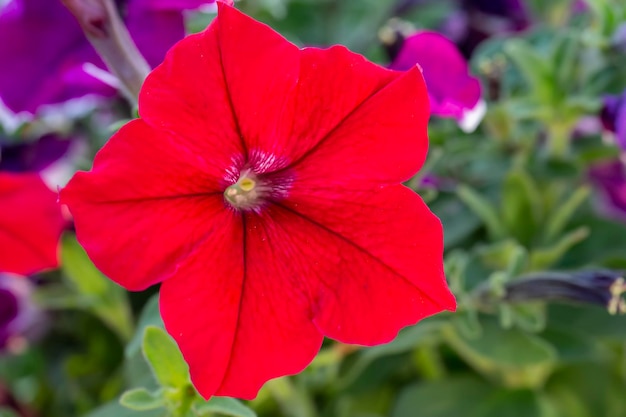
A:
{"points": [[261, 185], [31, 223]]}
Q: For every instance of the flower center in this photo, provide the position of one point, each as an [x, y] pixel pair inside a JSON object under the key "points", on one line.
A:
{"points": [[248, 193], [256, 181]]}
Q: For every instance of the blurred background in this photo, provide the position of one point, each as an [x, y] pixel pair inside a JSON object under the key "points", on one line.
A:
{"points": [[525, 170]]}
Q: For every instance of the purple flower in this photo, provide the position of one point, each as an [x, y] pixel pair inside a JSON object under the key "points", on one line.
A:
{"points": [[613, 117], [20, 319], [8, 312], [51, 156], [600, 287], [48, 60], [32, 156], [513, 11], [610, 178], [479, 20], [453, 92]]}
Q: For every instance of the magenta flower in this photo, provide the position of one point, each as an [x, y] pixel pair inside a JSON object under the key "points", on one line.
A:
{"points": [[452, 90], [49, 60]]}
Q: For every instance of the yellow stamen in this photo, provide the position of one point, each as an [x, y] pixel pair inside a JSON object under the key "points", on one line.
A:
{"points": [[247, 184], [244, 194]]}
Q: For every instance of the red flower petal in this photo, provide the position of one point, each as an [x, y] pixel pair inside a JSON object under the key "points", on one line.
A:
{"points": [[376, 143], [261, 69], [332, 85], [146, 204], [385, 270], [246, 318], [30, 224], [325, 88], [234, 56], [203, 120], [357, 272]]}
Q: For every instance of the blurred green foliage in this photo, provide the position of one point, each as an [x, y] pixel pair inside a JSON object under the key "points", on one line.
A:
{"points": [[520, 203]]}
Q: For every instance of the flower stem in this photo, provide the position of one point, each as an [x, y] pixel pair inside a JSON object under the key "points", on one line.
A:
{"points": [[107, 33]]}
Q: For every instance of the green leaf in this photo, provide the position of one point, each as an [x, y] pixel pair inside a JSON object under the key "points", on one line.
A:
{"points": [[136, 369], [534, 67], [521, 206], [115, 409], [483, 209], [499, 123], [516, 357], [510, 348], [527, 108], [141, 399], [598, 82], [452, 397], [104, 298], [588, 390], [592, 321], [457, 220], [150, 316], [467, 323], [565, 60], [518, 262], [503, 255], [223, 406], [80, 271], [510, 403], [606, 241], [546, 257], [559, 218], [455, 265], [577, 106], [530, 317], [608, 13], [573, 345], [368, 403], [426, 331], [165, 359]]}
